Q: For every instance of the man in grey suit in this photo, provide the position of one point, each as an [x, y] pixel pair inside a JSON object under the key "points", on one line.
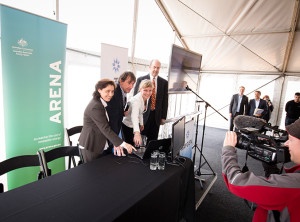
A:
{"points": [[238, 106], [157, 114]]}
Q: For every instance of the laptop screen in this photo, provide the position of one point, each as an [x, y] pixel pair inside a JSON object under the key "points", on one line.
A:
{"points": [[162, 145], [178, 137]]}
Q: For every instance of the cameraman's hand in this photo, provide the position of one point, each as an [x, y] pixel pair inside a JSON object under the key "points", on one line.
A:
{"points": [[230, 139]]}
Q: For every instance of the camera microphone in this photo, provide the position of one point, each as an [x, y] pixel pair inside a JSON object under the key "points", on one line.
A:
{"points": [[243, 121], [188, 88]]}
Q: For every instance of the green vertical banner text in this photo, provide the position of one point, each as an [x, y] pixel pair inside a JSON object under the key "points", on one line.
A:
{"points": [[33, 52]]}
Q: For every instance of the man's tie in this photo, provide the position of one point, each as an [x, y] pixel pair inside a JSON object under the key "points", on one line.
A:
{"points": [[124, 101], [153, 96]]}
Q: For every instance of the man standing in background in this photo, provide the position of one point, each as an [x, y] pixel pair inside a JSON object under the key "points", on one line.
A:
{"points": [[238, 106], [292, 109], [115, 107], [156, 113], [257, 107], [267, 117]]}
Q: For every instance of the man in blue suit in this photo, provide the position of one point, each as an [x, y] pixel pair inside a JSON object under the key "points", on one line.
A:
{"points": [[258, 103], [156, 115], [115, 107], [238, 106]]}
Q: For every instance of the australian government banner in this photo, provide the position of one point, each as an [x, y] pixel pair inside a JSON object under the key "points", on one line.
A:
{"points": [[33, 50], [114, 61]]}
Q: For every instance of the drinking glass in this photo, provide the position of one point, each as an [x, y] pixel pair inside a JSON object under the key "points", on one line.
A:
{"points": [[161, 161], [153, 161]]}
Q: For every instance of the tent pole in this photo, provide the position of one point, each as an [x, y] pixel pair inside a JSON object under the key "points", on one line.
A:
{"points": [[57, 10], [134, 28]]}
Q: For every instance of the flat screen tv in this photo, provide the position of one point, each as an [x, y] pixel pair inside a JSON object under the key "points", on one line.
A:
{"points": [[178, 137], [184, 70]]}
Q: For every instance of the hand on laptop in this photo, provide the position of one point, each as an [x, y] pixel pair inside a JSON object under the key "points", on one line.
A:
{"points": [[118, 151], [127, 146], [137, 139]]}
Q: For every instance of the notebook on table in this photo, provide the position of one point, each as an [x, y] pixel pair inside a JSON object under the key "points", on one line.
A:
{"points": [[162, 145]]}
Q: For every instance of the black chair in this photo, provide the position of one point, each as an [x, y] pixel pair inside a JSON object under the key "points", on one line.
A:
{"points": [[18, 162], [73, 131], [60, 152]]}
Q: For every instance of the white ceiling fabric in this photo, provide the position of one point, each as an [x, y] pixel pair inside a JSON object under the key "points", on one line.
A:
{"points": [[239, 36], [256, 43]]}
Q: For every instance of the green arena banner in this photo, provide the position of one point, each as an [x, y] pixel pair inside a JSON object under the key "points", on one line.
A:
{"points": [[33, 50]]}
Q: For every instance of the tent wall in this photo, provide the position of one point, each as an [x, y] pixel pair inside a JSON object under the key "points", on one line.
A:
{"points": [[83, 71], [217, 89]]}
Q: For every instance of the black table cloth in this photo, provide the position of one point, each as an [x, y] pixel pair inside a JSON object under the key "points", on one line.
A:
{"points": [[108, 189]]}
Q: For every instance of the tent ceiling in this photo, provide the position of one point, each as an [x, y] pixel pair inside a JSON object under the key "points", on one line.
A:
{"points": [[254, 36]]}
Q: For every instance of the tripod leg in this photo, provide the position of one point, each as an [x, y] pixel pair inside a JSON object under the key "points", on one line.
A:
{"points": [[197, 173], [201, 150], [205, 162], [200, 181]]}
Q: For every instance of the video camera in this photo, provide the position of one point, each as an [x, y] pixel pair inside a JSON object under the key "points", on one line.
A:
{"points": [[259, 145], [261, 140]]}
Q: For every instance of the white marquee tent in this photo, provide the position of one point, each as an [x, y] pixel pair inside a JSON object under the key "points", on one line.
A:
{"points": [[253, 37], [251, 43], [254, 43]]}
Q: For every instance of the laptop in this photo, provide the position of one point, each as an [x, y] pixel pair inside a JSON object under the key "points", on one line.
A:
{"points": [[162, 145]]}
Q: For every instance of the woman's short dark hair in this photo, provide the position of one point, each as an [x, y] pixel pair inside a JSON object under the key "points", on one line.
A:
{"points": [[101, 84]]}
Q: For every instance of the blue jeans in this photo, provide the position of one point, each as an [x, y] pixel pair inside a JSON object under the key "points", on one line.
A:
{"points": [[289, 121]]}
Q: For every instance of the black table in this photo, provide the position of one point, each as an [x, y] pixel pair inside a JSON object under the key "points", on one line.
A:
{"points": [[108, 189]]}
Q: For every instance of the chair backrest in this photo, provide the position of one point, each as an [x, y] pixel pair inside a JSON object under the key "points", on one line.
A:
{"points": [[72, 131], [18, 162], [60, 152]]}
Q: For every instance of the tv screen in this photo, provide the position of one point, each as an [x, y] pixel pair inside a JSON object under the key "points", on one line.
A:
{"points": [[184, 70], [178, 137]]}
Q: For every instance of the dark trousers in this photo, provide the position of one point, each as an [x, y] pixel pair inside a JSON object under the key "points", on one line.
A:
{"points": [[231, 120], [128, 134], [151, 129], [89, 156], [289, 121]]}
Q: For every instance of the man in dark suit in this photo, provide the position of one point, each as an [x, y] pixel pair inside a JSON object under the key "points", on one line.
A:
{"points": [[157, 113], [257, 103], [115, 107], [261, 104], [238, 106]]}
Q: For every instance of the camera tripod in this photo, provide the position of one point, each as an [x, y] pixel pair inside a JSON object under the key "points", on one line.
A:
{"points": [[198, 172]]}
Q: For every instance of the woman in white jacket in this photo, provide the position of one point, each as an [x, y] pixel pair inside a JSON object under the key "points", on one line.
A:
{"points": [[133, 122]]}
